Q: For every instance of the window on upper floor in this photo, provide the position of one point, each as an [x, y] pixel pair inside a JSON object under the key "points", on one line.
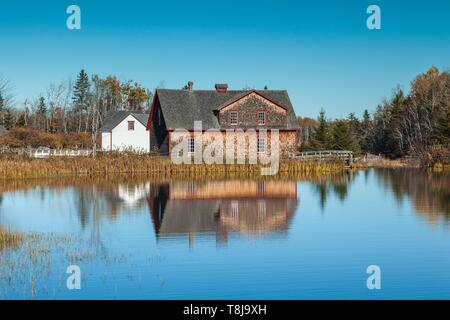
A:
{"points": [[233, 118], [261, 118], [130, 125]]}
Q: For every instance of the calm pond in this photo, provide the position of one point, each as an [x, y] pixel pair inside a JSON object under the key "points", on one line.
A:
{"points": [[271, 239]]}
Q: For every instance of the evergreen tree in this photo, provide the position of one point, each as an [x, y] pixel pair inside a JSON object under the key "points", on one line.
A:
{"points": [[41, 113], [441, 134], [366, 141], [321, 134], [354, 124], [342, 137], [2, 109], [8, 121], [21, 120], [2, 102], [81, 96], [394, 138]]}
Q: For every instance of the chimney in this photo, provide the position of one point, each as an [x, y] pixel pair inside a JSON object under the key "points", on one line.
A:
{"points": [[190, 85], [221, 87]]}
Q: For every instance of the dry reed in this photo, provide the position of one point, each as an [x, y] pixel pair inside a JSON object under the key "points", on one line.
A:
{"points": [[18, 167], [9, 239]]}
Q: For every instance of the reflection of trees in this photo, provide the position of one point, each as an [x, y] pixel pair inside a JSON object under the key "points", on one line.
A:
{"points": [[336, 183], [83, 204], [429, 192]]}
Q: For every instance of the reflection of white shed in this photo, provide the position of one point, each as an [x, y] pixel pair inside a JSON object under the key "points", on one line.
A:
{"points": [[133, 194], [124, 130]]}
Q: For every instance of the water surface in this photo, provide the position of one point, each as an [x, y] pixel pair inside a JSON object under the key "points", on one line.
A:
{"points": [[225, 239]]}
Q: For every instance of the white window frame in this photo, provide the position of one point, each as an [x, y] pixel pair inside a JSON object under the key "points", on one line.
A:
{"points": [[234, 209], [261, 145], [191, 145], [231, 118], [263, 122], [262, 210], [134, 125]]}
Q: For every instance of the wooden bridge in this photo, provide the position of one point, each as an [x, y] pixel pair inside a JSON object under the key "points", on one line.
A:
{"points": [[344, 155]]}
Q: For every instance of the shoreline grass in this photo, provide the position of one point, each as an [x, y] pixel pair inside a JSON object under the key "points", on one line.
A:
{"points": [[386, 164], [9, 239], [24, 167]]}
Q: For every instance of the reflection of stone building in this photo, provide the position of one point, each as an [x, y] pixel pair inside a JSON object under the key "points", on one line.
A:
{"points": [[222, 206]]}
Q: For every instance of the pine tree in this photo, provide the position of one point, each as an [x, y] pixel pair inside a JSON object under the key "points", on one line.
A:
{"points": [[342, 137], [321, 134], [355, 126], [8, 121], [441, 132], [2, 102], [41, 113], [2, 109], [366, 141], [81, 96], [21, 120], [394, 142]]}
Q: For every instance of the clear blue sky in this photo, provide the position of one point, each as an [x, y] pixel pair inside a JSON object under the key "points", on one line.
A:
{"points": [[320, 51]]}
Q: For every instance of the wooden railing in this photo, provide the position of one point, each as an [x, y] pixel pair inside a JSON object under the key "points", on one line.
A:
{"points": [[344, 155]]}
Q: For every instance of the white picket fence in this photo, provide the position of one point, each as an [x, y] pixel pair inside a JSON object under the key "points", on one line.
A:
{"points": [[46, 153]]}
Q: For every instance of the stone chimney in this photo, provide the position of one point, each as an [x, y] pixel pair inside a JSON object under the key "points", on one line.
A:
{"points": [[190, 85], [221, 87]]}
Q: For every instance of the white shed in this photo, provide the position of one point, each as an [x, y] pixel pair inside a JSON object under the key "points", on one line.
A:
{"points": [[125, 130]]}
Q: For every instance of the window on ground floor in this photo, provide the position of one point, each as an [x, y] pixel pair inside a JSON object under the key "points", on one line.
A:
{"points": [[261, 145], [191, 145]]}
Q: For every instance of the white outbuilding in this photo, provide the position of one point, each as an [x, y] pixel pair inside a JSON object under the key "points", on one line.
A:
{"points": [[125, 130]]}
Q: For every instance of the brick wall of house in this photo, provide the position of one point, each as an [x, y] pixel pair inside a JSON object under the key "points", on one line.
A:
{"points": [[248, 108], [241, 140]]}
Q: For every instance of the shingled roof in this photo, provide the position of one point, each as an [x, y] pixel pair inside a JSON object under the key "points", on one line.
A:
{"points": [[116, 117], [182, 107]]}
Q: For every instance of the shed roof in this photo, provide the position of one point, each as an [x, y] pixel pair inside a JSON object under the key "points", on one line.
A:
{"points": [[116, 117]]}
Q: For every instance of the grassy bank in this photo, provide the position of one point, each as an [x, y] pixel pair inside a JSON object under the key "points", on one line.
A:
{"points": [[19, 167], [397, 164], [385, 163]]}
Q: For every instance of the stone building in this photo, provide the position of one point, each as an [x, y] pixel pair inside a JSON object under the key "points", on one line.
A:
{"points": [[222, 110]]}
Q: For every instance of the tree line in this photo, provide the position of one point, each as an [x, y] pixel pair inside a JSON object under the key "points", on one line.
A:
{"points": [[416, 124], [67, 108]]}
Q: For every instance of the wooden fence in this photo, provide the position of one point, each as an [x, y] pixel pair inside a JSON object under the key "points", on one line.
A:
{"points": [[344, 155]]}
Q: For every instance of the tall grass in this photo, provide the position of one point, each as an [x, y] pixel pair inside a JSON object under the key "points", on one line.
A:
{"points": [[22, 166], [9, 239]]}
